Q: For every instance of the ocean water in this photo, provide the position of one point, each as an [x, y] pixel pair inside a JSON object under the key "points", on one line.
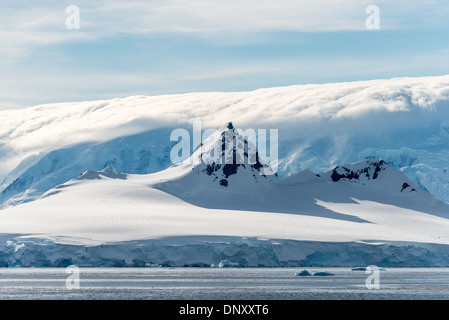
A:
{"points": [[221, 283]]}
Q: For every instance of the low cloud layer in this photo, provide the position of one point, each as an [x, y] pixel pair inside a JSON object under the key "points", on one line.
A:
{"points": [[417, 108]]}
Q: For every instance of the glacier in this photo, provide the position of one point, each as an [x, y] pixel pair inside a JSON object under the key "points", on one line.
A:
{"points": [[220, 252]]}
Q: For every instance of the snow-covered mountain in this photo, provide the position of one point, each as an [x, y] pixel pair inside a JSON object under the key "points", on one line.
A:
{"points": [[225, 162], [365, 212], [403, 121], [362, 169], [373, 172]]}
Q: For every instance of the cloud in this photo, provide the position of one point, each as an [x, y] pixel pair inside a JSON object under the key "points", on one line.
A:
{"points": [[41, 57], [199, 16], [25, 26], [359, 109]]}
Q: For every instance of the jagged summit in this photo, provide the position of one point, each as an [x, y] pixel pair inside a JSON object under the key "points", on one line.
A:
{"points": [[229, 152], [365, 170], [374, 172]]}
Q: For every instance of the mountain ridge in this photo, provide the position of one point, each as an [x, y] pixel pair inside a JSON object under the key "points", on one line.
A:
{"points": [[403, 121]]}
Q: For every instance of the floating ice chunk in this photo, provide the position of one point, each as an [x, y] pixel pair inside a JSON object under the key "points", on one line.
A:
{"points": [[303, 273], [323, 274], [359, 269]]}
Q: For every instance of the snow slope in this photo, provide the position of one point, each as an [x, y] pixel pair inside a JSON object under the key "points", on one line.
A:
{"points": [[190, 217], [141, 153], [404, 121], [102, 218]]}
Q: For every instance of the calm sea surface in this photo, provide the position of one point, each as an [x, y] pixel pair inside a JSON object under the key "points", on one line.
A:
{"points": [[221, 283]]}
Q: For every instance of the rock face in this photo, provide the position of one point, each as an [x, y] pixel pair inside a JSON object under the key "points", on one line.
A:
{"points": [[108, 172], [372, 172]]}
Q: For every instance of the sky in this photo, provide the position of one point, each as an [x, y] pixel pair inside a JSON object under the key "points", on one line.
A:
{"points": [[155, 47]]}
